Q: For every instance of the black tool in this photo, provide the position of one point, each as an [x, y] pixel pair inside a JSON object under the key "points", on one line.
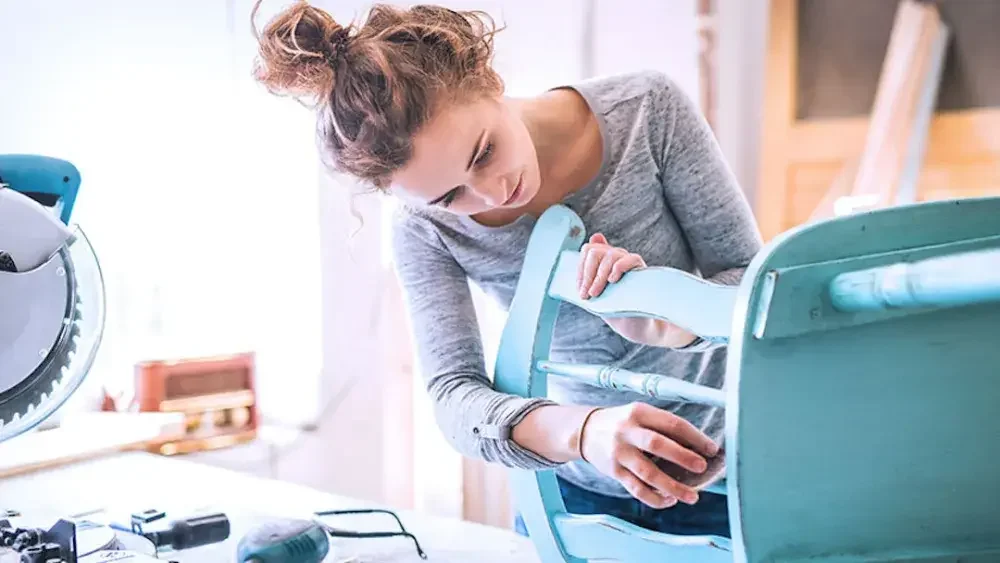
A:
{"points": [[184, 533], [37, 545]]}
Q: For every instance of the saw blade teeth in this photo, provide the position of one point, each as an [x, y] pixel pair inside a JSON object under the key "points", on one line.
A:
{"points": [[54, 380]]}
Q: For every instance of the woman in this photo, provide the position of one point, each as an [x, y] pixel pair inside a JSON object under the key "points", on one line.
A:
{"points": [[408, 103]]}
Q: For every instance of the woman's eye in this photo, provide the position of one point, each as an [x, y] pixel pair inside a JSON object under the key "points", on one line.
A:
{"points": [[449, 198], [484, 157]]}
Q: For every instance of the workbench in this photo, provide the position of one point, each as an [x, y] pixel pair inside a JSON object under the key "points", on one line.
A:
{"points": [[136, 481]]}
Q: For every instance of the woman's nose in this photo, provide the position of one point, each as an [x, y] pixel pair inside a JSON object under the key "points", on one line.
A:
{"points": [[493, 192]]}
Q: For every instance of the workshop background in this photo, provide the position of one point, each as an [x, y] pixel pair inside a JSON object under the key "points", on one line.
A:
{"points": [[220, 235]]}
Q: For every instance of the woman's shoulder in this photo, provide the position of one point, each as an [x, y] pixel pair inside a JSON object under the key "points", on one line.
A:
{"points": [[649, 88], [647, 103], [415, 224]]}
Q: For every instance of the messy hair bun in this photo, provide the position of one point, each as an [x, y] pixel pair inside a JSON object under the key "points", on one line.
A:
{"points": [[376, 84], [299, 52]]}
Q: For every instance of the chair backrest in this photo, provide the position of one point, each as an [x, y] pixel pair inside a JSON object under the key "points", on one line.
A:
{"points": [[547, 280], [860, 390]]}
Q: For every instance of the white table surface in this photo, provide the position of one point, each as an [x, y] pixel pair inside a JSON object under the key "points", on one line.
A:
{"points": [[132, 482]]}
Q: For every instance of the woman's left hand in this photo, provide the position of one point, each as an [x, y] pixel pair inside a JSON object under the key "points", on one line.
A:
{"points": [[601, 264]]}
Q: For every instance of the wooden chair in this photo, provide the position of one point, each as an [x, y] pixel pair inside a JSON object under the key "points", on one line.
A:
{"points": [[862, 394]]}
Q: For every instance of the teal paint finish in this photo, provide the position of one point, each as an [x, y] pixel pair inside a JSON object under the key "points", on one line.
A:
{"points": [[651, 384], [866, 440], [944, 281], [884, 286], [593, 537], [861, 423], [35, 174], [707, 309], [525, 339]]}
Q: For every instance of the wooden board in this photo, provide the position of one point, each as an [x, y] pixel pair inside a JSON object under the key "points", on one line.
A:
{"points": [[84, 436], [802, 156], [904, 103]]}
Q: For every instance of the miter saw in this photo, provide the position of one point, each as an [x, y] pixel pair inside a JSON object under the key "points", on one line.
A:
{"points": [[51, 325], [51, 292]]}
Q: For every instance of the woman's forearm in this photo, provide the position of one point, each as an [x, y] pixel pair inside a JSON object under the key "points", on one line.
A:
{"points": [[552, 431], [669, 335], [652, 332]]}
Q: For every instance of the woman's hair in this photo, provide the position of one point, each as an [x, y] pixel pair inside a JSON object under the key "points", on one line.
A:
{"points": [[375, 85]]}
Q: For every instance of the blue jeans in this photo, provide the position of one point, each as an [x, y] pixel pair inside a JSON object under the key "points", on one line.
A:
{"points": [[710, 515]]}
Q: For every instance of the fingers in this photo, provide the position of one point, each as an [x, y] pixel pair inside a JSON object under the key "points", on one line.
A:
{"points": [[603, 271], [641, 490], [626, 264], [678, 429], [601, 264], [654, 478], [590, 260], [663, 447]]}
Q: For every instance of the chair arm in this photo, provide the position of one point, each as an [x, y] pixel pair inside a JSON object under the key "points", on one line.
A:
{"points": [[692, 303]]}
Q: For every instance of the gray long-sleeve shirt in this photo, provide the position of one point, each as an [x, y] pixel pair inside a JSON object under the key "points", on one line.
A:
{"points": [[663, 191]]}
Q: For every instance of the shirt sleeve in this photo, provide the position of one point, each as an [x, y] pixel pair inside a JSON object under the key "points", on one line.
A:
{"points": [[476, 419], [704, 196]]}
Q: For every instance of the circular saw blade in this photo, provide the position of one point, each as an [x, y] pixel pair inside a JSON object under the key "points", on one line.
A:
{"points": [[32, 393], [65, 359]]}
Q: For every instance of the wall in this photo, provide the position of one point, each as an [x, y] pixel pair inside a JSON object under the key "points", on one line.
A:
{"points": [[741, 36], [198, 190]]}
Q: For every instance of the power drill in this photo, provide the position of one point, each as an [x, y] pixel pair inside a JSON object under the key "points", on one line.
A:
{"points": [[285, 541]]}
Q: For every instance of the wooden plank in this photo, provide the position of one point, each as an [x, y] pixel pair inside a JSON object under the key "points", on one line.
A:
{"points": [[916, 149], [914, 54], [82, 436]]}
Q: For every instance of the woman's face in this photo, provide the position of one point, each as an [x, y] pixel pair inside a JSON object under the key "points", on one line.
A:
{"points": [[471, 158]]}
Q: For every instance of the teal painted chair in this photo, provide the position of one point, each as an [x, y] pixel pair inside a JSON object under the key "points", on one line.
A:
{"points": [[862, 399]]}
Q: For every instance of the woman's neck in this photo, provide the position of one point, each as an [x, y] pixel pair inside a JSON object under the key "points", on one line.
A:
{"points": [[567, 141]]}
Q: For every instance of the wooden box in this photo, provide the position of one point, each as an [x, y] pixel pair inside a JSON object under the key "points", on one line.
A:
{"points": [[216, 394]]}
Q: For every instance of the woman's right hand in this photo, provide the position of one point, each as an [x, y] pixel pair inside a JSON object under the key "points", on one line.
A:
{"points": [[618, 440]]}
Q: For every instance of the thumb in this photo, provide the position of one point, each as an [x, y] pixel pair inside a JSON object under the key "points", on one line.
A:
{"points": [[598, 238]]}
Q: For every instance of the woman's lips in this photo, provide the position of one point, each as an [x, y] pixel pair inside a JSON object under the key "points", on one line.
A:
{"points": [[517, 191]]}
